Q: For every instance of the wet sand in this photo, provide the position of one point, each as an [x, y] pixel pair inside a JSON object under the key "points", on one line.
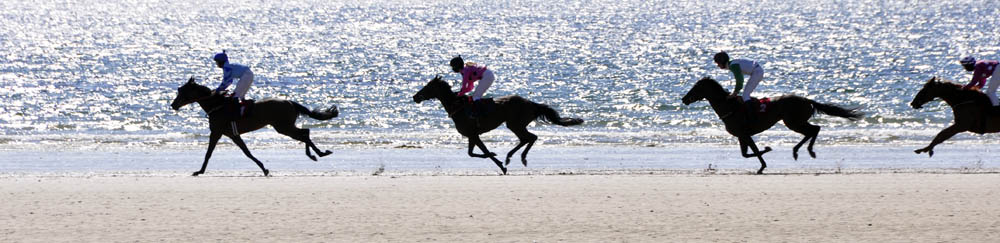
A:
{"points": [[921, 207]]}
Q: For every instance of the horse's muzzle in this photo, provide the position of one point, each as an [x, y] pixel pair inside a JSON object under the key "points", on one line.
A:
{"points": [[916, 105], [418, 98]]}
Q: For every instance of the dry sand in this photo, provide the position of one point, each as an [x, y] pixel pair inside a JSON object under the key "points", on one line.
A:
{"points": [[550, 208]]}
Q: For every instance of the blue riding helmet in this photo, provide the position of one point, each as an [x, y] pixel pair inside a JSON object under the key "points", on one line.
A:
{"points": [[221, 57]]}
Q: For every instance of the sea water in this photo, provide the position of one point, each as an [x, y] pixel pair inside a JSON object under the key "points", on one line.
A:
{"points": [[91, 81]]}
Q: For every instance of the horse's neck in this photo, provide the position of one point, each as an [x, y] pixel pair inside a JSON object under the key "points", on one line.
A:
{"points": [[210, 104], [721, 105], [449, 104], [955, 98]]}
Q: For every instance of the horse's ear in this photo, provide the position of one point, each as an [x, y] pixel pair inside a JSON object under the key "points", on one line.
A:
{"points": [[191, 80]]}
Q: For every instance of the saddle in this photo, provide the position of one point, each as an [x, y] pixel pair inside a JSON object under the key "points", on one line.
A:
{"points": [[761, 104], [480, 108], [237, 110]]}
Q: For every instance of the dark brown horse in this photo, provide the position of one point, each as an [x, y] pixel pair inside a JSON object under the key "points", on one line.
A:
{"points": [[280, 114], [970, 107], [516, 111], [794, 111]]}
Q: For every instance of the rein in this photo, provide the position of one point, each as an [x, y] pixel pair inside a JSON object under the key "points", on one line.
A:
{"points": [[209, 111], [727, 115]]}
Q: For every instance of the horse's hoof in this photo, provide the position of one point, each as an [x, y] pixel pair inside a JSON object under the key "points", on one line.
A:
{"points": [[196, 173], [795, 156], [812, 154], [766, 149], [267, 172], [504, 169], [760, 172], [313, 158], [930, 153], [325, 153], [524, 162], [507, 162]]}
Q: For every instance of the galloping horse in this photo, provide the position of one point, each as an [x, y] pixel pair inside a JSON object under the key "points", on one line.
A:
{"points": [[516, 111], [280, 114], [970, 108], [794, 111]]}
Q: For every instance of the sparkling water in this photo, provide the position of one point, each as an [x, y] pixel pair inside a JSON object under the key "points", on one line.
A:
{"points": [[101, 74]]}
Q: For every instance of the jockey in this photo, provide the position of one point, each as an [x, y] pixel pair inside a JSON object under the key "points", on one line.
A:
{"points": [[471, 73], [980, 71], [739, 68], [232, 71]]}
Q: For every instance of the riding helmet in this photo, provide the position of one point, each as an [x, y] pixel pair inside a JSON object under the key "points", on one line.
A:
{"points": [[457, 63], [969, 60], [221, 57], [721, 58]]}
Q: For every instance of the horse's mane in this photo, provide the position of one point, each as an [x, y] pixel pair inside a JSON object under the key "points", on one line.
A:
{"points": [[960, 89], [711, 83]]}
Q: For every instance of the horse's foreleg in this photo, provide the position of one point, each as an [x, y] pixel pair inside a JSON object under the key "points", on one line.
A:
{"points": [[243, 146], [472, 146], [941, 137], [486, 152], [213, 139], [759, 154], [748, 143]]}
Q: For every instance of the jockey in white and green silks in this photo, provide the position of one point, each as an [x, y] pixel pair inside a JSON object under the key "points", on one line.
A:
{"points": [[740, 68]]}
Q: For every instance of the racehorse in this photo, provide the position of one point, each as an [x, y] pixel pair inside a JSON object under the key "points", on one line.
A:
{"points": [[971, 109], [280, 114], [516, 111], [793, 110]]}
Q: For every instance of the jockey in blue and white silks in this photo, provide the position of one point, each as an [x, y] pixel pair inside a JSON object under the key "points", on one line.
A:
{"points": [[231, 71]]}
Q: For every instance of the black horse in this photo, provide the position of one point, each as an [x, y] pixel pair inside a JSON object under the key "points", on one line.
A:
{"points": [[971, 108], [280, 114], [516, 111], [795, 111]]}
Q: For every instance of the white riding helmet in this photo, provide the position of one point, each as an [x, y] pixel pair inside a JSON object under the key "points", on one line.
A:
{"points": [[968, 60]]}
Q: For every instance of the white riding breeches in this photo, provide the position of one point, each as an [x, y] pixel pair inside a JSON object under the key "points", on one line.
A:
{"points": [[243, 85], [755, 77], [483, 85], [991, 89]]}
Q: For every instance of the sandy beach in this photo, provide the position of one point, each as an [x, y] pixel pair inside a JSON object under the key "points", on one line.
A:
{"points": [[870, 207]]}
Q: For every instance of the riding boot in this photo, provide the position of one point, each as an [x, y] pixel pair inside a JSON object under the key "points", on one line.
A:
{"points": [[751, 112]]}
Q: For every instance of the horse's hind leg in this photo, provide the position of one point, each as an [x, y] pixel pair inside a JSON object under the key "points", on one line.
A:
{"points": [[303, 136], [812, 142], [525, 138], [810, 131]]}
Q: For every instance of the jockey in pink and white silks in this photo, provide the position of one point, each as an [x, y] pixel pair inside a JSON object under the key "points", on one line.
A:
{"points": [[980, 71], [471, 73]]}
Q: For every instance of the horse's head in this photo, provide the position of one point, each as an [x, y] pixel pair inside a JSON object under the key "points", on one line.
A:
{"points": [[927, 93], [701, 90], [435, 89], [189, 93]]}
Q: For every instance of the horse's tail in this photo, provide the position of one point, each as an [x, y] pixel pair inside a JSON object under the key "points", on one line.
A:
{"points": [[546, 113], [851, 114], [317, 114]]}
